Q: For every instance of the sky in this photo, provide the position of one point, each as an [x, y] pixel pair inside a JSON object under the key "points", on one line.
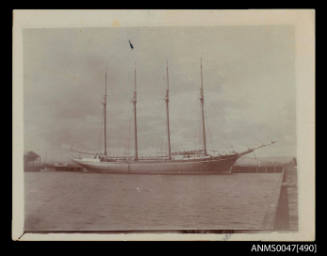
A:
{"points": [[248, 78]]}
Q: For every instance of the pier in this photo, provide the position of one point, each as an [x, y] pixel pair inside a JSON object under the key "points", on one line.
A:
{"points": [[282, 212], [287, 212]]}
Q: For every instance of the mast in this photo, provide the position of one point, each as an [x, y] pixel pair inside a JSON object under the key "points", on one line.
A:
{"points": [[167, 111], [135, 117], [202, 112], [105, 115]]}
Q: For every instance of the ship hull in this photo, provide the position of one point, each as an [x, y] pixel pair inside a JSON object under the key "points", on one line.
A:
{"points": [[212, 165]]}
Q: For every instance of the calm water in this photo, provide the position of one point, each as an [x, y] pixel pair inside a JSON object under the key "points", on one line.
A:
{"points": [[105, 202]]}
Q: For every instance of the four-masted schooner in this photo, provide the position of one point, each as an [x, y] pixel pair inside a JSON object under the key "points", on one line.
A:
{"points": [[186, 162]]}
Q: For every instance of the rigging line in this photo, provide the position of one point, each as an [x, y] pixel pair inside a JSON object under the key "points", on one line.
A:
{"points": [[227, 145], [108, 115], [199, 133], [200, 137], [210, 133], [129, 113], [243, 118], [109, 127], [209, 137], [99, 141], [123, 146]]}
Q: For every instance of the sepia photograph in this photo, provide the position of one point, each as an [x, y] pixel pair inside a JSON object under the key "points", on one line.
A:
{"points": [[157, 125]]}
